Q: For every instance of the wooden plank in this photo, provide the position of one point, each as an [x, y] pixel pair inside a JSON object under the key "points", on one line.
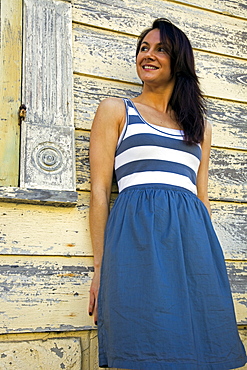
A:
{"points": [[89, 92], [44, 294], [230, 223], [232, 8], [38, 196], [110, 55], [45, 230], [228, 118], [207, 30], [83, 336], [229, 123], [227, 174], [57, 353], [10, 89], [65, 232], [237, 273], [51, 294], [243, 337]]}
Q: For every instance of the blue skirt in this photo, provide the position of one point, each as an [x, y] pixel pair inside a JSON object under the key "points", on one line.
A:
{"points": [[165, 300]]}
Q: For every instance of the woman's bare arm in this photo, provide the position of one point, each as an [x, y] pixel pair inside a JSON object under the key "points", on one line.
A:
{"points": [[103, 141], [202, 176]]}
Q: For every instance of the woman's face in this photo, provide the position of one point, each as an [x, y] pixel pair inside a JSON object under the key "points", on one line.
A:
{"points": [[153, 64]]}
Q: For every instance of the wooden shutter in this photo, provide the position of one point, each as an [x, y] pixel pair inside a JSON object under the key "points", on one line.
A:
{"points": [[47, 134]]}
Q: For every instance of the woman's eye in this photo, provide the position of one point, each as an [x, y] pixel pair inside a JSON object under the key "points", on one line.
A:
{"points": [[144, 48]]}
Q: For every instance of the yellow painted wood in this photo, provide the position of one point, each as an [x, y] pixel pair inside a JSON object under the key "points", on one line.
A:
{"points": [[230, 220], [243, 337], [235, 8], [207, 30], [44, 293], [227, 117], [55, 353], [10, 90], [90, 91], [227, 175], [109, 55], [12, 339], [51, 293], [65, 232], [45, 230], [237, 273]]}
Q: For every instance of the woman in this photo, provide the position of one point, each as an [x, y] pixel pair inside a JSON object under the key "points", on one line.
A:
{"points": [[164, 296]]}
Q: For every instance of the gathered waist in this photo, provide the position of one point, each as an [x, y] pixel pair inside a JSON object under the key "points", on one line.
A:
{"points": [[165, 187]]}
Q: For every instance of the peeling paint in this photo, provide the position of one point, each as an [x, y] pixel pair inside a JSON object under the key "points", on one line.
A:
{"points": [[58, 351]]}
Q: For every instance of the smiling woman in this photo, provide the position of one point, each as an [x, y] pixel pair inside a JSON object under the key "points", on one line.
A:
{"points": [[153, 58], [160, 292]]}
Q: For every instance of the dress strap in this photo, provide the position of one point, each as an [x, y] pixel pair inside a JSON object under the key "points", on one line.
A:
{"points": [[121, 137]]}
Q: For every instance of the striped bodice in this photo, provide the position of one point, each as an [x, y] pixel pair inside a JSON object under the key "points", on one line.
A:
{"points": [[151, 154]]}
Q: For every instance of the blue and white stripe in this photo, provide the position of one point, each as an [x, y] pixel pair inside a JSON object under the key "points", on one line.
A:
{"points": [[151, 154]]}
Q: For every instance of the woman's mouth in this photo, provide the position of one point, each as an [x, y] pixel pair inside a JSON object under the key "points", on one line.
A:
{"points": [[149, 68]]}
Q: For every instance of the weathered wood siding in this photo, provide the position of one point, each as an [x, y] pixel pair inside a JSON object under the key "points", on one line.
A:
{"points": [[104, 54], [45, 251], [10, 89]]}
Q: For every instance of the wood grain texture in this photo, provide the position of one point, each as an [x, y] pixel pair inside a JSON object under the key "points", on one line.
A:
{"points": [[235, 8], [227, 174], [206, 30], [37, 230], [44, 294], [38, 196], [228, 118], [230, 223], [47, 79], [237, 273], [89, 92], [84, 337], [106, 54], [47, 134], [229, 123], [51, 293], [10, 89], [59, 353], [65, 232]]}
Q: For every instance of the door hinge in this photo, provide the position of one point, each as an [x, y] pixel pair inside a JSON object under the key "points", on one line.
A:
{"points": [[22, 113]]}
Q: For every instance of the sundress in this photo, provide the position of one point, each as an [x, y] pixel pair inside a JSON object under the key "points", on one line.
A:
{"points": [[164, 300]]}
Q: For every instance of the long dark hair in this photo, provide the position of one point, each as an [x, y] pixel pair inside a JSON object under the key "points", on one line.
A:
{"points": [[186, 101]]}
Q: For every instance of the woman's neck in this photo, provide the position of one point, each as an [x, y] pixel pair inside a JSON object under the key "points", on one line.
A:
{"points": [[157, 98]]}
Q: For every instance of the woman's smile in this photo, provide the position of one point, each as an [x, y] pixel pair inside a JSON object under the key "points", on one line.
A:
{"points": [[153, 63]]}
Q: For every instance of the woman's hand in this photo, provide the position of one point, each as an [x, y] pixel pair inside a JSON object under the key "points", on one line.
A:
{"points": [[94, 291]]}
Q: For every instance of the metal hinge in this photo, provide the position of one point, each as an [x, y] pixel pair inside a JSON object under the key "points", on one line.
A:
{"points": [[22, 113]]}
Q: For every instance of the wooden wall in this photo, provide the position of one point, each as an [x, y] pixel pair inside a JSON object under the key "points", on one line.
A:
{"points": [[46, 256], [104, 56]]}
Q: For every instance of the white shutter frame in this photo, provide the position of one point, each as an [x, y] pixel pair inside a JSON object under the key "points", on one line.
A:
{"points": [[47, 134]]}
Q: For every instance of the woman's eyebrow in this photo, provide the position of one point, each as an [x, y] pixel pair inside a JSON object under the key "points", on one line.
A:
{"points": [[147, 43]]}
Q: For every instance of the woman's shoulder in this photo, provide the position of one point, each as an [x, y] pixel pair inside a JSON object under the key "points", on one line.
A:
{"points": [[112, 104], [111, 111]]}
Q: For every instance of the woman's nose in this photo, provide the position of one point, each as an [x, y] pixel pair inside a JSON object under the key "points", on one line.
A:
{"points": [[150, 54]]}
